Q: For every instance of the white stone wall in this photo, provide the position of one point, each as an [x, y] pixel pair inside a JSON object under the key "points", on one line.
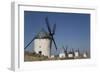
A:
{"points": [[70, 55], [62, 55], [42, 45], [76, 54], [84, 55]]}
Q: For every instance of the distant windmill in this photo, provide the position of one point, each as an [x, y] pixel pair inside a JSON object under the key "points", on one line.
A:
{"points": [[71, 54], [65, 50], [77, 54]]}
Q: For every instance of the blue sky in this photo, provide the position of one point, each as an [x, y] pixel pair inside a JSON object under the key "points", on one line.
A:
{"points": [[72, 29]]}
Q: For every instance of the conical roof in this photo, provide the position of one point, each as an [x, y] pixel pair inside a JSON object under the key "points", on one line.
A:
{"points": [[42, 34]]}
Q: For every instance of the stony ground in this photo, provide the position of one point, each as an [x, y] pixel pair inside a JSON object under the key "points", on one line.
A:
{"points": [[36, 57]]}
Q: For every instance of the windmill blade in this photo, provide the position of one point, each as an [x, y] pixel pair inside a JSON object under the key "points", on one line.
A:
{"points": [[66, 48], [78, 51], [48, 26], [72, 50], [50, 47], [54, 28], [29, 43], [63, 48], [54, 42]]}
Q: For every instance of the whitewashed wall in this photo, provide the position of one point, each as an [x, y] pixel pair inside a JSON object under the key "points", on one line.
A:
{"points": [[42, 45]]}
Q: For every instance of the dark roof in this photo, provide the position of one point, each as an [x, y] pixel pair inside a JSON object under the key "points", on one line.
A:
{"points": [[42, 35]]}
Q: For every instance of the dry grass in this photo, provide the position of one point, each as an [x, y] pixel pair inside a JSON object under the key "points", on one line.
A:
{"points": [[36, 57]]}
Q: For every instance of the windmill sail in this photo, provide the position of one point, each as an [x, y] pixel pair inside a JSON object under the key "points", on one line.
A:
{"points": [[48, 26], [51, 33], [29, 43], [54, 28], [54, 42]]}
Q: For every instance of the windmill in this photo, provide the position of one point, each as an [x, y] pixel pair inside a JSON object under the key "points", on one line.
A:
{"points": [[77, 53], [71, 54], [51, 33], [65, 50]]}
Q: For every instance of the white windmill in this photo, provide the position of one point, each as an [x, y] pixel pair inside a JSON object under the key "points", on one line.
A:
{"points": [[43, 41], [76, 54]]}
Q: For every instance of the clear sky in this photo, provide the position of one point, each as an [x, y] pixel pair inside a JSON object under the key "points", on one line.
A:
{"points": [[72, 29]]}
